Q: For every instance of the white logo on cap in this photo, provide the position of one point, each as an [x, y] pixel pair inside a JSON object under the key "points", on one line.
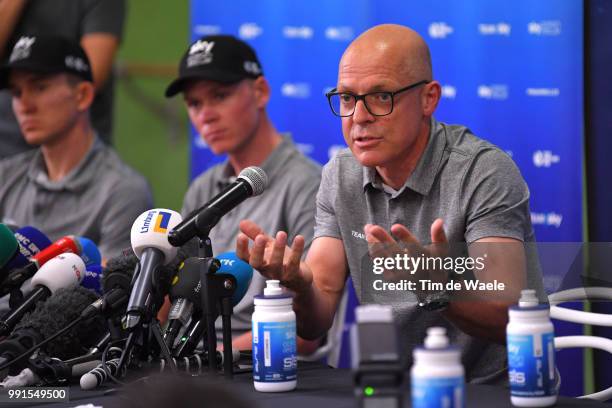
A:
{"points": [[200, 53], [22, 48], [76, 63], [252, 67]]}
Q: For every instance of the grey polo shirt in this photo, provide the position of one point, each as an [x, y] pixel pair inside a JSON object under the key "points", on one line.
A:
{"points": [[99, 199], [71, 19], [287, 204], [472, 185]]}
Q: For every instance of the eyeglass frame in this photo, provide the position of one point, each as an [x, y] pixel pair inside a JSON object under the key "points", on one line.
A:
{"points": [[362, 97]]}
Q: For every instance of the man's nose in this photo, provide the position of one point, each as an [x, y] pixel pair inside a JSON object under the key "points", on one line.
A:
{"points": [[208, 114], [362, 114]]}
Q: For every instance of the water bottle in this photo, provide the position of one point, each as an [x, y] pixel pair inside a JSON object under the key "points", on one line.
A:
{"points": [[437, 376], [531, 353], [274, 340]]}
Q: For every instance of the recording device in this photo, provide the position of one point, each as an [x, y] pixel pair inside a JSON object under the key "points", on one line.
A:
{"points": [[63, 271], [250, 182], [149, 237], [375, 358], [16, 277], [187, 298]]}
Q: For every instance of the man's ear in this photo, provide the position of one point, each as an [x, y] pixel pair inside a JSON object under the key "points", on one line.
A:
{"points": [[261, 88], [85, 92], [430, 97]]}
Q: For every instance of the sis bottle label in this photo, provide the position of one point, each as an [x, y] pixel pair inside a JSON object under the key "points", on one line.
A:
{"points": [[274, 351], [438, 393], [531, 365]]}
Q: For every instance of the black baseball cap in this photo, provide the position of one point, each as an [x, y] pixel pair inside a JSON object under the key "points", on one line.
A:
{"points": [[46, 54], [221, 58]]}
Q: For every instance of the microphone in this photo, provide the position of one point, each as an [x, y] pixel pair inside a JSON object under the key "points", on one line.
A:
{"points": [[98, 375], [185, 296], [149, 237], [64, 270], [31, 241], [89, 252], [93, 278], [57, 312], [189, 277], [18, 276], [250, 182], [8, 245], [242, 271]]}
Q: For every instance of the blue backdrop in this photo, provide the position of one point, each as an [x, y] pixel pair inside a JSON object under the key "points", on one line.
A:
{"points": [[510, 71]]}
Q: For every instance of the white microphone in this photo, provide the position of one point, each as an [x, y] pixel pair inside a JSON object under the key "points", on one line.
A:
{"points": [[63, 271], [149, 238]]}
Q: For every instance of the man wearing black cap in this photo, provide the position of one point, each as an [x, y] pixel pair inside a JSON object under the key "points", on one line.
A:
{"points": [[72, 184], [226, 96]]}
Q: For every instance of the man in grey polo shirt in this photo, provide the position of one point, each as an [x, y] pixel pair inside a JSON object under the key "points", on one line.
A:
{"points": [[226, 96], [407, 185], [73, 183]]}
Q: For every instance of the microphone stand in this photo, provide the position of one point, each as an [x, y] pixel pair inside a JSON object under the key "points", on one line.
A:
{"points": [[147, 325], [216, 293]]}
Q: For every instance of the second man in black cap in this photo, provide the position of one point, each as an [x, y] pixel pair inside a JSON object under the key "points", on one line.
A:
{"points": [[226, 94]]}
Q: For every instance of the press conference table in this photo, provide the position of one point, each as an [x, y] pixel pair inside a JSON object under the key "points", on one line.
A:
{"points": [[318, 387]]}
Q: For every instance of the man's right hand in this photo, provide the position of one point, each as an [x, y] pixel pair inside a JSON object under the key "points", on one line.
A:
{"points": [[273, 258]]}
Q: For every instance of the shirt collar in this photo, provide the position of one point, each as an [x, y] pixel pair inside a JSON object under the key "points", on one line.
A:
{"points": [[427, 168], [271, 166], [77, 178]]}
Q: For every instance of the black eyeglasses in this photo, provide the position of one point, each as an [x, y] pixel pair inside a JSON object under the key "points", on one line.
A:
{"points": [[377, 103]]}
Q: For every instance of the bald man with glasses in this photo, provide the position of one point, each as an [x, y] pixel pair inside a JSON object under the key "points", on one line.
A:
{"points": [[408, 188]]}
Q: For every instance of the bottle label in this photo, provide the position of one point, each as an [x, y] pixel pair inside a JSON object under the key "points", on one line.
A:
{"points": [[531, 365], [274, 351], [438, 392]]}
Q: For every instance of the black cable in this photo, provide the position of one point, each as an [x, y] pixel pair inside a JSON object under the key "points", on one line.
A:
{"points": [[106, 369]]}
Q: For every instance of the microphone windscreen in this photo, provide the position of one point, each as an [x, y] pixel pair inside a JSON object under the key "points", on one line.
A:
{"points": [[90, 252], [119, 271], [31, 241], [243, 272], [8, 245], [57, 312]]}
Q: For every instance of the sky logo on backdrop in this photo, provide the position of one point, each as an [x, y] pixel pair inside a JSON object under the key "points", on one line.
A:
{"points": [[494, 91], [551, 219], [299, 90], [546, 27], [502, 29], [439, 30], [248, 31], [340, 33]]}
